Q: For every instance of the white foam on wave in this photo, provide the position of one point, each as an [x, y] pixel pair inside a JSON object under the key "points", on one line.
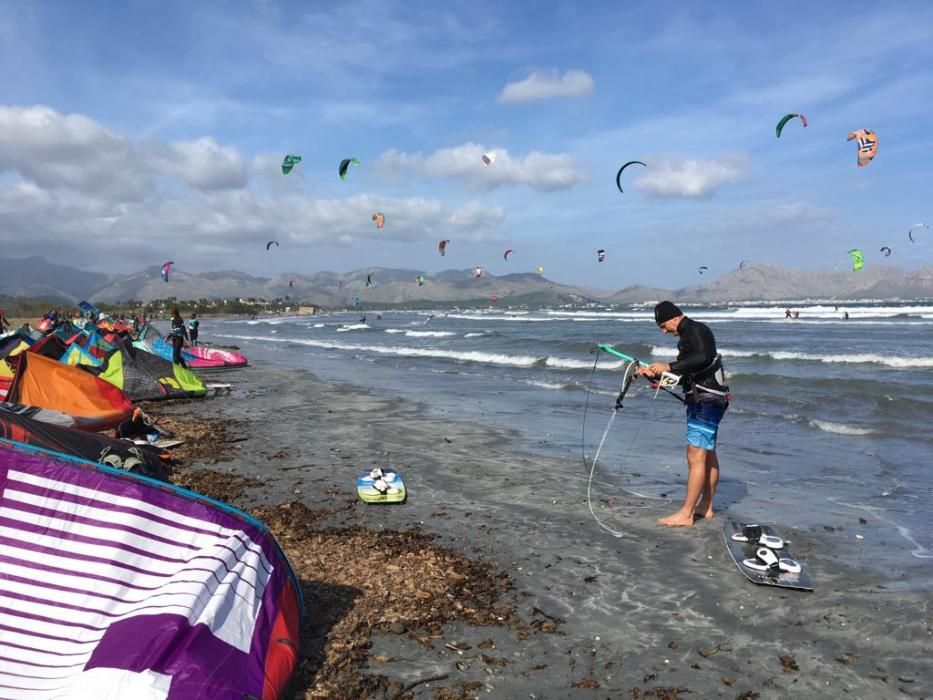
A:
{"points": [[568, 363], [318, 325], [395, 330], [857, 358], [520, 318], [401, 351], [839, 428], [429, 334], [474, 335], [892, 361], [546, 362], [919, 551], [858, 310], [547, 385], [352, 327]]}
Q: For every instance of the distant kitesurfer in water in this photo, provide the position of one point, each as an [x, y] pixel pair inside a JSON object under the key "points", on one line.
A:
{"points": [[796, 314], [706, 398], [845, 315], [787, 313], [363, 319]]}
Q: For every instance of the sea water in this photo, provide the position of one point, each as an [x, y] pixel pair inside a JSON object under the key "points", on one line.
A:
{"points": [[830, 426]]}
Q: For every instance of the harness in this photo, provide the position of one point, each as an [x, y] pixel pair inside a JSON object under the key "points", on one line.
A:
{"points": [[714, 370]]}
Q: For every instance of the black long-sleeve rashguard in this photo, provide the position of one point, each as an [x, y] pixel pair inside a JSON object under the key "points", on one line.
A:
{"points": [[696, 357]]}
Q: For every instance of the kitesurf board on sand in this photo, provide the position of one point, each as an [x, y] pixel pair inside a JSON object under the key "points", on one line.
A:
{"points": [[743, 551], [163, 444], [388, 489]]}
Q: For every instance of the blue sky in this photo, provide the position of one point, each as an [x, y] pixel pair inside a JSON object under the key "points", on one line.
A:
{"points": [[135, 132]]}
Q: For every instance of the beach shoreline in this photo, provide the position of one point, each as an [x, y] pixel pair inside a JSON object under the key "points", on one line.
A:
{"points": [[656, 613]]}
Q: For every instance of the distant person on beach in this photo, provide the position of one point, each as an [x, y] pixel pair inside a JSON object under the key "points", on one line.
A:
{"points": [[706, 399], [4, 324], [193, 324], [178, 336]]}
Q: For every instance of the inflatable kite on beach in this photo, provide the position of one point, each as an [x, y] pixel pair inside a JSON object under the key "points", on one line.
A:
{"points": [[442, 246], [289, 162], [344, 166], [910, 231], [600, 255], [269, 244], [505, 255], [867, 142], [380, 219], [165, 268], [489, 158], [886, 250], [126, 587], [619, 174], [858, 260], [786, 118]]}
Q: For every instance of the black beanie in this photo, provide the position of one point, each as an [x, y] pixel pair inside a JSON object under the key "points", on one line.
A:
{"points": [[665, 311]]}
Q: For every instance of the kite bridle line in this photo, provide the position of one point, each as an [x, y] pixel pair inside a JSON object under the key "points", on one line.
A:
{"points": [[666, 381]]}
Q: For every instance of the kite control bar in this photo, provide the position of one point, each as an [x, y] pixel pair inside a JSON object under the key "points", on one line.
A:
{"points": [[664, 382]]}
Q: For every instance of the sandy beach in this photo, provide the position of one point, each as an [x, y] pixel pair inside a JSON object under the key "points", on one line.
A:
{"points": [[492, 580]]}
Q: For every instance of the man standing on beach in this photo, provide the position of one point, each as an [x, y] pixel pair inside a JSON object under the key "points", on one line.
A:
{"points": [[706, 399], [178, 336], [193, 324]]}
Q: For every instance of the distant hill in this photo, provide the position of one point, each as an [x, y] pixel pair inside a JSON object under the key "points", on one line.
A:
{"points": [[35, 277]]}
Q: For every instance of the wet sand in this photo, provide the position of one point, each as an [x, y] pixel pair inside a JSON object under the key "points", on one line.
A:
{"points": [[494, 580]]}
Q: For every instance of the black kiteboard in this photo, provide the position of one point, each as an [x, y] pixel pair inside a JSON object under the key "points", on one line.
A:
{"points": [[741, 551]]}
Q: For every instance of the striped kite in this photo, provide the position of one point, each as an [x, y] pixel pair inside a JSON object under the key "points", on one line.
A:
{"points": [[867, 141]]}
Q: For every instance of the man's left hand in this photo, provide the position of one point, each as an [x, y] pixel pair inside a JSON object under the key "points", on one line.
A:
{"points": [[654, 369]]}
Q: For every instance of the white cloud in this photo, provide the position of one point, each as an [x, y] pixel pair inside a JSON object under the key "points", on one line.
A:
{"points": [[74, 153], [548, 85], [205, 165], [83, 194], [541, 171], [691, 179]]}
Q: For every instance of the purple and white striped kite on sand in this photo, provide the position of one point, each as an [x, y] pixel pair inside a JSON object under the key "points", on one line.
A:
{"points": [[116, 586]]}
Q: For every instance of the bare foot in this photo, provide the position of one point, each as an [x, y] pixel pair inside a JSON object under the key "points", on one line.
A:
{"points": [[677, 519], [700, 513]]}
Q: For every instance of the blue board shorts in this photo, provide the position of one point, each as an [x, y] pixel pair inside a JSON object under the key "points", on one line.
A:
{"points": [[703, 423]]}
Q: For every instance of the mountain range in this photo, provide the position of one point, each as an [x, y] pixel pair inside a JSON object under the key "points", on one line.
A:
{"points": [[35, 277]]}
